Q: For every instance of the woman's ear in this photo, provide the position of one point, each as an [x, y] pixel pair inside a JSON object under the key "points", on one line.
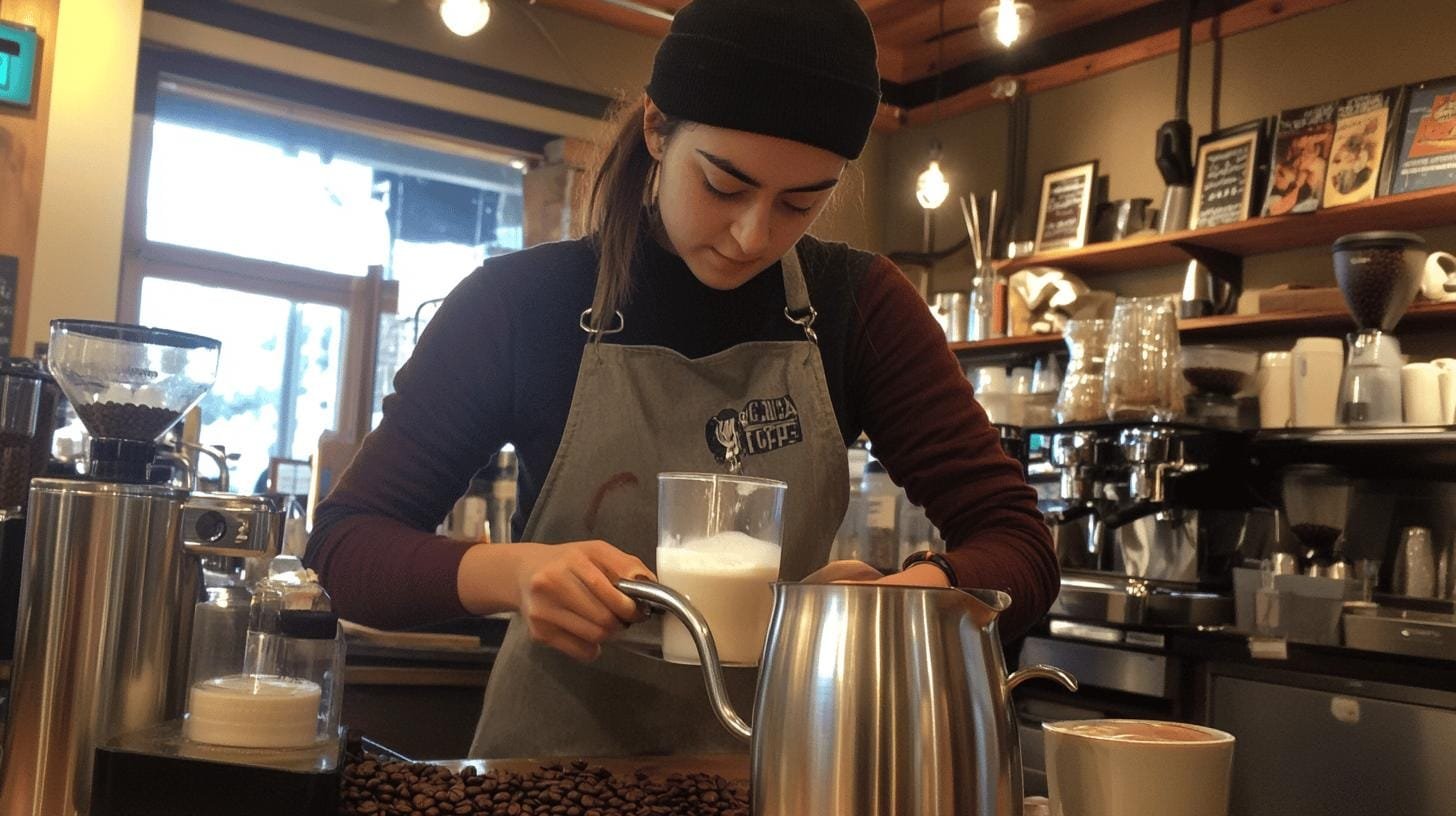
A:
{"points": [[652, 121]]}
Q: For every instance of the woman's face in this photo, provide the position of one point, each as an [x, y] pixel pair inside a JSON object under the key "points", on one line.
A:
{"points": [[732, 203]]}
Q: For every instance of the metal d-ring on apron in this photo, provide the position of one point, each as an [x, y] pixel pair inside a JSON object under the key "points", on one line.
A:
{"points": [[638, 411]]}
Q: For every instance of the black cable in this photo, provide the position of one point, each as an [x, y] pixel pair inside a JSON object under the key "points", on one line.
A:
{"points": [[1185, 49]]}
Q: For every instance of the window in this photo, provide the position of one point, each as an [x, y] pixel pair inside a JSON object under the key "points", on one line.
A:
{"points": [[314, 246]]}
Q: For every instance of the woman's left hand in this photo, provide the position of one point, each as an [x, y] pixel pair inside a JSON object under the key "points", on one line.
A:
{"points": [[858, 572]]}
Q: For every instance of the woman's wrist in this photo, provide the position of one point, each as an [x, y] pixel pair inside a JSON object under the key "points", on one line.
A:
{"points": [[486, 581]]}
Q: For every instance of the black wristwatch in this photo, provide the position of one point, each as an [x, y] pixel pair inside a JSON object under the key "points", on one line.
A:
{"points": [[933, 558]]}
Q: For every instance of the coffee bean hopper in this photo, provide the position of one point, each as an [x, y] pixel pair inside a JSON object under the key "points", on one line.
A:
{"points": [[112, 570]]}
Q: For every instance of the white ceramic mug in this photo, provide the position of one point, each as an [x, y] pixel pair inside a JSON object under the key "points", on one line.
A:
{"points": [[1440, 268], [1446, 384], [1420, 393], [1318, 367], [1125, 767], [1275, 385]]}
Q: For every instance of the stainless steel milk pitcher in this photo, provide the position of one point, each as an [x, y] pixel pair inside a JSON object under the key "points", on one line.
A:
{"points": [[878, 700]]}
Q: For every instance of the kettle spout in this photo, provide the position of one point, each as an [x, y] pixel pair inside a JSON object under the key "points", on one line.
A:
{"points": [[657, 596]]}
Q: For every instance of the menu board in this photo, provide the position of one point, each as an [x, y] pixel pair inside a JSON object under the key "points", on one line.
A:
{"points": [[1428, 147], [1228, 164], [1301, 156], [1362, 130], [1066, 203], [9, 277]]}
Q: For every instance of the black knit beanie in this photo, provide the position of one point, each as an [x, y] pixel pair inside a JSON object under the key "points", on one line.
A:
{"points": [[797, 69]]}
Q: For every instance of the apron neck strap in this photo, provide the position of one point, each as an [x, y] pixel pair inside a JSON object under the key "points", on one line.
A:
{"points": [[796, 294]]}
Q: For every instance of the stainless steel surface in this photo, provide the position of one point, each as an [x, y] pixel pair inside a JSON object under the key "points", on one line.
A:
{"points": [[1074, 454], [218, 457], [1309, 744], [1176, 204], [1153, 454], [227, 524], [1416, 634], [1107, 667], [102, 637], [1205, 293], [873, 699], [19, 407], [1097, 598]]}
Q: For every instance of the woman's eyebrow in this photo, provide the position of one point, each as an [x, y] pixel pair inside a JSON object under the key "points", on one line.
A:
{"points": [[732, 170]]}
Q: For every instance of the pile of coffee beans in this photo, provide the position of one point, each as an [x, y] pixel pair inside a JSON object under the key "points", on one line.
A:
{"points": [[1215, 380], [126, 420], [375, 785]]}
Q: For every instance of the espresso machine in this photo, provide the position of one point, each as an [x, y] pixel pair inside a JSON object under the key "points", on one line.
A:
{"points": [[112, 568], [1148, 518]]}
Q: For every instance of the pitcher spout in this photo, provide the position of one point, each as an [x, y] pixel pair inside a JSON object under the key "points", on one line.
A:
{"points": [[660, 597]]}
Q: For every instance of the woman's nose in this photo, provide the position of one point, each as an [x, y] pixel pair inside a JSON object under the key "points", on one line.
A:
{"points": [[751, 230]]}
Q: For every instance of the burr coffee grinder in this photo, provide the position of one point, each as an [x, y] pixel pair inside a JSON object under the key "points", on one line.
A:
{"points": [[112, 570], [1379, 274]]}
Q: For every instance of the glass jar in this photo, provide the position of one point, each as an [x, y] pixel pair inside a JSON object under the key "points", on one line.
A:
{"points": [[1080, 397], [1142, 379]]}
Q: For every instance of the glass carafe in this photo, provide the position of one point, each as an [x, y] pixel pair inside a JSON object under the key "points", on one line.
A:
{"points": [[1080, 398], [1142, 380]]}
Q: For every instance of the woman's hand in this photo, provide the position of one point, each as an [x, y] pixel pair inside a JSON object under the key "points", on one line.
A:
{"points": [[858, 572], [565, 593]]}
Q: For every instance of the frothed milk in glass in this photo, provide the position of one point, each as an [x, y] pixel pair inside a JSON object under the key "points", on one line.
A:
{"points": [[729, 578], [718, 545]]}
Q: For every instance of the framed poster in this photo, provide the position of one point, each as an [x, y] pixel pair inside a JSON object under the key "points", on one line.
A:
{"points": [[1427, 156], [1065, 214], [1301, 156], [1227, 175], [1363, 126]]}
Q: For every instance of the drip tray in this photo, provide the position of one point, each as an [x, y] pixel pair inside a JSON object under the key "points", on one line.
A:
{"points": [[1403, 632]]}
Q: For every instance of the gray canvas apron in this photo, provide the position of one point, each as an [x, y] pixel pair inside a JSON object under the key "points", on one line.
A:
{"points": [[638, 411]]}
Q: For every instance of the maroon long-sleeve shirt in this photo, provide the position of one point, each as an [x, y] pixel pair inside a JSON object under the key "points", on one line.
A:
{"points": [[498, 364]]}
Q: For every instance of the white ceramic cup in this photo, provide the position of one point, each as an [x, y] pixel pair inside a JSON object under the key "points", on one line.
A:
{"points": [[1318, 366], [1420, 393], [1103, 768], [1275, 386], [1446, 383]]}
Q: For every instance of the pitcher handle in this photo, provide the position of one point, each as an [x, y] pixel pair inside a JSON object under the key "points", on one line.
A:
{"points": [[658, 596], [1016, 678]]}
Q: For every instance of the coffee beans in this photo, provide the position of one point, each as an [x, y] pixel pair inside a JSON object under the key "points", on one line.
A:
{"points": [[1215, 380], [125, 420], [373, 785]]}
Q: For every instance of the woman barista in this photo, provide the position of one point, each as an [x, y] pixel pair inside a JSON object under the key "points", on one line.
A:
{"points": [[697, 328]]}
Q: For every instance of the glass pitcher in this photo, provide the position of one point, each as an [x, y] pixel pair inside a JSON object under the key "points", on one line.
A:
{"points": [[1080, 398], [1142, 380]]}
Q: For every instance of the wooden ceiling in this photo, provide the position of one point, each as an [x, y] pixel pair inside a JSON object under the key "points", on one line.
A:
{"points": [[908, 31], [924, 57]]}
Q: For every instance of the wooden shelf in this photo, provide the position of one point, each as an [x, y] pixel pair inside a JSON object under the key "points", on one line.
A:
{"points": [[1421, 315], [1408, 211]]}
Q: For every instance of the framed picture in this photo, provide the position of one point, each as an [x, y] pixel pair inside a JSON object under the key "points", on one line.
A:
{"points": [[1301, 155], [1227, 175], [1065, 214], [1427, 153], [1360, 155]]}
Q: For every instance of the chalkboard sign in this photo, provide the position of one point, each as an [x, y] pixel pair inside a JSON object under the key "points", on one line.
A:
{"points": [[1066, 206], [9, 280], [1227, 175]]}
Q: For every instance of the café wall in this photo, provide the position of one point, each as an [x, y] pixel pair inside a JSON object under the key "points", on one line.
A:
{"points": [[1355, 46]]}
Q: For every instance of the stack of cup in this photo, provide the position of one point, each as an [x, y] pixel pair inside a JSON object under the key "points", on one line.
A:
{"points": [[1446, 384], [1420, 393], [1275, 386], [1317, 367]]}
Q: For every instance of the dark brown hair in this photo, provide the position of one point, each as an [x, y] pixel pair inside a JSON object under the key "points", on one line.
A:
{"points": [[616, 215]]}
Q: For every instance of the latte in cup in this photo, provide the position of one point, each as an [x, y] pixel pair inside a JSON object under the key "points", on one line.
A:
{"points": [[1121, 767]]}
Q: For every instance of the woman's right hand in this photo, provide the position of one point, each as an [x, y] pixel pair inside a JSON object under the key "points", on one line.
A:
{"points": [[565, 593]]}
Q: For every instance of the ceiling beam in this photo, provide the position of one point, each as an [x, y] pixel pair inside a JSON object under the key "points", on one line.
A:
{"points": [[1243, 18], [618, 16]]}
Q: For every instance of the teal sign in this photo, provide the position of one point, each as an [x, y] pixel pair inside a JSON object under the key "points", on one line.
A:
{"points": [[17, 64]]}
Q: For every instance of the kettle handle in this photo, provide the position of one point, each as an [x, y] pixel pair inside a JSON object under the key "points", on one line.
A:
{"points": [[1016, 678], [658, 596]]}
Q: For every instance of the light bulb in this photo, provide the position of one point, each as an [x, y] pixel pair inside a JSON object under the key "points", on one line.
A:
{"points": [[1006, 22], [465, 17], [931, 187]]}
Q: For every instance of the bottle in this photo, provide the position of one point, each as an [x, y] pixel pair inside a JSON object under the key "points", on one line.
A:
{"points": [[881, 498]]}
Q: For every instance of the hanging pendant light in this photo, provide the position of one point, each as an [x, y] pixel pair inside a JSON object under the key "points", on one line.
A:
{"points": [[1006, 22], [465, 18], [931, 188]]}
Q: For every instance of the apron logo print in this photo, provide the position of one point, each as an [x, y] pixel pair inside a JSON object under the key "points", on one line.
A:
{"points": [[763, 425]]}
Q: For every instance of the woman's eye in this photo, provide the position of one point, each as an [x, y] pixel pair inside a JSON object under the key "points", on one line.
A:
{"points": [[799, 210], [708, 185]]}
